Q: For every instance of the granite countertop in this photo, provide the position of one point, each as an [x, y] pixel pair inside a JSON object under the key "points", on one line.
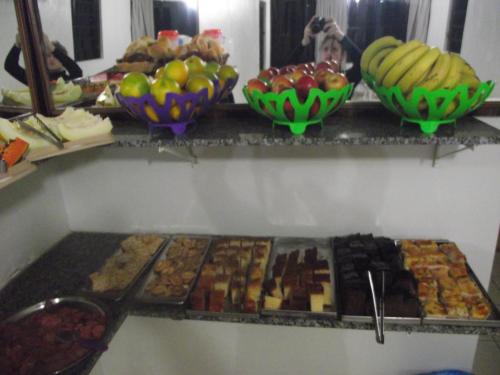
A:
{"points": [[64, 270], [243, 127]]}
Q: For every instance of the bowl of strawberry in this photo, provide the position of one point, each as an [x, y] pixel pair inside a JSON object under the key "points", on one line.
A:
{"points": [[51, 336], [298, 95]]}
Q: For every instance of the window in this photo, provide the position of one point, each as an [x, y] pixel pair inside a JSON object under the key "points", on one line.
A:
{"points": [[458, 12], [175, 15], [372, 19], [86, 17]]}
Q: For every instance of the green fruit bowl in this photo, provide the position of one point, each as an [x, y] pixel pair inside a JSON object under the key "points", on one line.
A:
{"points": [[286, 109], [430, 109]]}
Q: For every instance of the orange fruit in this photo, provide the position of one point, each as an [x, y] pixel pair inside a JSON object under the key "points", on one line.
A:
{"points": [[226, 72], [150, 112], [178, 71], [161, 87], [135, 84], [175, 112], [195, 64], [198, 82], [159, 72]]}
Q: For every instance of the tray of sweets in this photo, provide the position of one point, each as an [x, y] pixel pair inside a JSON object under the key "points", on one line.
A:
{"points": [[300, 279], [175, 271], [120, 273], [231, 279], [448, 289], [356, 254]]}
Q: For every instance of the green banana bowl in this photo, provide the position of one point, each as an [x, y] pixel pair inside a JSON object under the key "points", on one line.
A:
{"points": [[430, 109], [318, 105]]}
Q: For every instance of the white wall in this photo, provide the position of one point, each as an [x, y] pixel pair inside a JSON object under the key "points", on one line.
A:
{"points": [[115, 28], [480, 43], [32, 218], [302, 191], [438, 23], [209, 348], [239, 21], [8, 31]]}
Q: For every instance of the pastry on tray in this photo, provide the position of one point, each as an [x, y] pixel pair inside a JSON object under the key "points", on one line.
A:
{"points": [[121, 268], [457, 295], [176, 272], [300, 280], [357, 254], [234, 270]]}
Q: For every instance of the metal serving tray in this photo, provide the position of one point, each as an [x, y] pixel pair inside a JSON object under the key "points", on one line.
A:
{"points": [[81, 302], [400, 320], [492, 321], [118, 295], [285, 245], [144, 297], [231, 312]]}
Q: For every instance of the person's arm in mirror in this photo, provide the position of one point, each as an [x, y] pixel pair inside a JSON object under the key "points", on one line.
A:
{"points": [[333, 31], [299, 55], [11, 64], [60, 53]]}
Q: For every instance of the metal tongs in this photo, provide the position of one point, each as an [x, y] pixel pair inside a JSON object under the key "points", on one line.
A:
{"points": [[50, 137], [378, 310]]}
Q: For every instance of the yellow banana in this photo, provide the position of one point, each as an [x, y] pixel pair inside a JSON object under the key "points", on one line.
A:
{"points": [[393, 57], [377, 60], [419, 71], [451, 108], [403, 65], [466, 68], [468, 79], [453, 77], [373, 48], [438, 72]]}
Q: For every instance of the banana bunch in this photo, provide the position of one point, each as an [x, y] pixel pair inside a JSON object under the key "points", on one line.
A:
{"points": [[390, 62]]}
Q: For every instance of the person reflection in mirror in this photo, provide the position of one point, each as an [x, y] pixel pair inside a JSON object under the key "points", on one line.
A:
{"points": [[59, 64], [335, 46]]}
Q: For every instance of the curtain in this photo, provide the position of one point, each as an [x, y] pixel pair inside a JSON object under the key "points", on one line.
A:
{"points": [[336, 9], [419, 14], [142, 18]]}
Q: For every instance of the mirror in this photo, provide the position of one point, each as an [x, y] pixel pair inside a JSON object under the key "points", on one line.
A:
{"points": [[257, 34], [14, 92]]}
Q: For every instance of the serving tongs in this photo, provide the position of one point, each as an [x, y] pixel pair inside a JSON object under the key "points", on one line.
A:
{"points": [[50, 137], [378, 309]]}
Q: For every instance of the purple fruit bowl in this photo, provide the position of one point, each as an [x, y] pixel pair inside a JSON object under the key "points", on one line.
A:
{"points": [[179, 110]]}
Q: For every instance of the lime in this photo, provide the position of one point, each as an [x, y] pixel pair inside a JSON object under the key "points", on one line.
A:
{"points": [[178, 71]]}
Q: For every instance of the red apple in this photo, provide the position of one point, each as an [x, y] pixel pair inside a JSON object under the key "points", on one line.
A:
{"points": [[287, 69], [274, 71], [304, 85], [335, 81], [335, 66], [281, 83], [257, 85], [324, 65], [320, 76], [266, 75], [314, 109], [289, 111], [297, 74], [305, 67]]}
